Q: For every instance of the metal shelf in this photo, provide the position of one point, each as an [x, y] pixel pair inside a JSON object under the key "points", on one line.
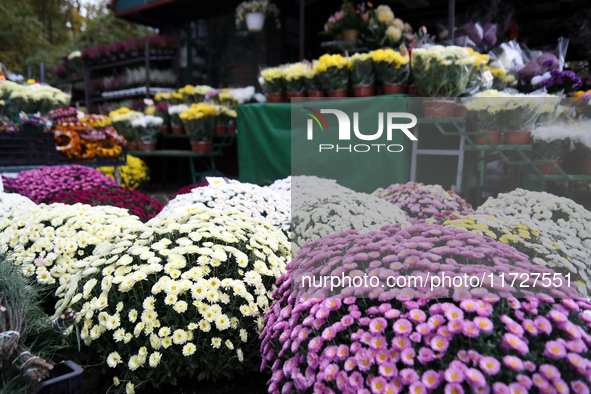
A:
{"points": [[130, 61]]}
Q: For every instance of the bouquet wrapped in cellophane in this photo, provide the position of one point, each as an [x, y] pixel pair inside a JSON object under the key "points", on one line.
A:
{"points": [[121, 120], [333, 72], [294, 76], [272, 80], [147, 128], [391, 66], [442, 71], [361, 68], [311, 80], [199, 121]]}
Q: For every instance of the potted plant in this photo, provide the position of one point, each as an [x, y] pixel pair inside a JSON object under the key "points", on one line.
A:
{"points": [[161, 110], [272, 82], [146, 130], [392, 69], [175, 121], [441, 72], [384, 30], [551, 145], [293, 75], [199, 123], [333, 73], [362, 74], [121, 121], [353, 20], [312, 82], [253, 12]]}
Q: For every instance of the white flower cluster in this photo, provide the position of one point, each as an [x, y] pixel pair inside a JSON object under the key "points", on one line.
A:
{"points": [[242, 95], [282, 187], [252, 200], [545, 243], [306, 189], [349, 211], [495, 101], [177, 109], [11, 203], [576, 131], [188, 283], [545, 207], [50, 240], [146, 121]]}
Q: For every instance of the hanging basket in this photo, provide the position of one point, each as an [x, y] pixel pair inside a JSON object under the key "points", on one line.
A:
{"points": [[255, 21]]}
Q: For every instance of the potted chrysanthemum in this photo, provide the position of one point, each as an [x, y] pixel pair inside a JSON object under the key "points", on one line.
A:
{"points": [[199, 124], [254, 12]]}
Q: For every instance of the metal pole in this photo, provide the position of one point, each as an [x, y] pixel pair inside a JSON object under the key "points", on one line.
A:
{"points": [[29, 71], [302, 28], [147, 63], [87, 87], [451, 13], [41, 72]]}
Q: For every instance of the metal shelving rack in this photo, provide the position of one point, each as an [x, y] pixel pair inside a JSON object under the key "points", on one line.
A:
{"points": [[147, 58]]}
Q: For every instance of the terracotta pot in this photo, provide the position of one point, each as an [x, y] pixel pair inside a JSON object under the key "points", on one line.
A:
{"points": [[460, 111], [219, 129], [395, 88], [291, 95], [548, 168], [517, 137], [494, 135], [201, 146], [146, 146], [350, 34], [364, 90], [277, 97], [338, 93], [164, 130], [178, 130], [586, 166], [316, 93], [231, 129], [132, 145], [413, 89], [438, 108]]}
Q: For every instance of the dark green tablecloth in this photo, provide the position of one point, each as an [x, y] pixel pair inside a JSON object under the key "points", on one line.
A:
{"points": [[264, 146]]}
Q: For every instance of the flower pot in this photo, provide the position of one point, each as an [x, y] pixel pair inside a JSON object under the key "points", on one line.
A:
{"points": [[517, 137], [586, 166], [350, 34], [255, 21], [277, 97], [438, 108], [395, 88], [548, 167], [338, 93], [338, 37], [132, 145], [460, 111], [413, 89], [316, 93], [201, 146], [177, 130], [164, 130], [146, 146], [231, 129], [364, 90], [219, 129], [494, 135], [291, 95]]}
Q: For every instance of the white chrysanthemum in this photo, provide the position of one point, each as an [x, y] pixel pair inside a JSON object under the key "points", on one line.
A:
{"points": [[350, 211], [12, 203]]}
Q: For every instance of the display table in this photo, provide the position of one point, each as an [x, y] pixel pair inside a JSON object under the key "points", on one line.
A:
{"points": [[264, 141]]}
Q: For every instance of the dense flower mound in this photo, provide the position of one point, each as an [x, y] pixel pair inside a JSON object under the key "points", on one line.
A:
{"points": [[351, 211], [11, 203], [188, 294], [48, 241], [311, 188], [422, 201], [544, 207], [252, 200], [135, 202], [404, 342], [42, 184], [187, 189], [423, 251], [282, 187], [131, 175], [545, 243]]}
